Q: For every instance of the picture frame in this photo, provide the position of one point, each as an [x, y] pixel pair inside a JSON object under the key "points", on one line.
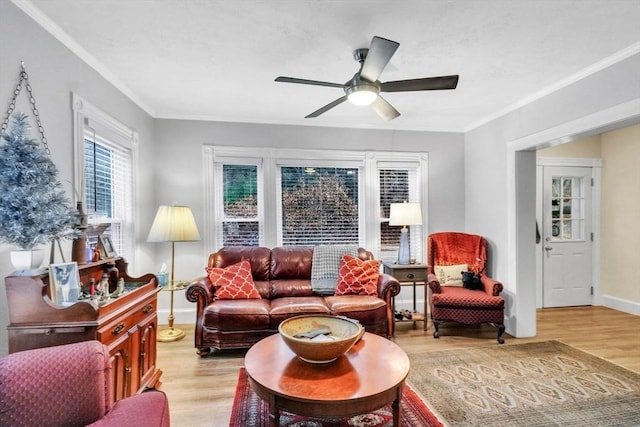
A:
{"points": [[64, 283], [107, 249]]}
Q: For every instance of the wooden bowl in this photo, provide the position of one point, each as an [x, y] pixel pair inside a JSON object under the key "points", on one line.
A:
{"points": [[323, 348]]}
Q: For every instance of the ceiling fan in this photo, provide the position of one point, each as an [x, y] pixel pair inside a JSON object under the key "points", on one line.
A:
{"points": [[364, 87]]}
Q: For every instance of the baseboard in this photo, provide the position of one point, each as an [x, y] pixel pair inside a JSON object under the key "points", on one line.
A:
{"points": [[620, 304]]}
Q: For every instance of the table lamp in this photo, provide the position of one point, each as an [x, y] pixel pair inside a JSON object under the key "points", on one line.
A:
{"points": [[173, 224], [405, 214]]}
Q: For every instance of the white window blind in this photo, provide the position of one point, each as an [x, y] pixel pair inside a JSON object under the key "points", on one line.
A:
{"points": [[108, 185], [319, 205], [397, 185]]}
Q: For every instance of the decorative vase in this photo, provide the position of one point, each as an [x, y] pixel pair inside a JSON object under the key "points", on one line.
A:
{"points": [[27, 262], [79, 246]]}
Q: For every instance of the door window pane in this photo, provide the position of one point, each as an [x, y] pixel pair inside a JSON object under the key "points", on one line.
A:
{"points": [[567, 208]]}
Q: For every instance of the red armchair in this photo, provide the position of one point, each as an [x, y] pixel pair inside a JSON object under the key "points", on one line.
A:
{"points": [[70, 385], [456, 303]]}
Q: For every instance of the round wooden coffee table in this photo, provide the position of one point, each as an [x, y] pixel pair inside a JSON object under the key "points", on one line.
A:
{"points": [[368, 377]]}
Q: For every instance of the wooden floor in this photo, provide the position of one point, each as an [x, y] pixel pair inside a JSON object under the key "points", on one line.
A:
{"points": [[201, 390]]}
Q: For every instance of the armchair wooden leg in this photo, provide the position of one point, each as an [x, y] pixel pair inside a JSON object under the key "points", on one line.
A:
{"points": [[436, 326], [501, 329]]}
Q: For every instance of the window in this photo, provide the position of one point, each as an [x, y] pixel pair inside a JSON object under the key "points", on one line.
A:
{"points": [[272, 197], [319, 205], [397, 185], [240, 223], [104, 175]]}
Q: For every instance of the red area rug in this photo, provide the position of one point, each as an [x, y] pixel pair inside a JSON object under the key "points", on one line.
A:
{"points": [[251, 411]]}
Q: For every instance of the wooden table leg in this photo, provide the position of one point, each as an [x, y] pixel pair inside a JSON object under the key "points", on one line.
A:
{"points": [[395, 406], [274, 413]]}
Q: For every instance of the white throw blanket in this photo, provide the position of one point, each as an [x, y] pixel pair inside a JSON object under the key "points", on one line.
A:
{"points": [[325, 265]]}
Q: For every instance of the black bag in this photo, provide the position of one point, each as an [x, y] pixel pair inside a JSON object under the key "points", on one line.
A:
{"points": [[471, 281]]}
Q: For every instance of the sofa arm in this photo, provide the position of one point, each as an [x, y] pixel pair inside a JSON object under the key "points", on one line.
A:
{"points": [[388, 287], [201, 291], [433, 283], [491, 287]]}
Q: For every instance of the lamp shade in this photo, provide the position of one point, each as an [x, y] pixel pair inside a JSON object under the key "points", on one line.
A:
{"points": [[174, 224], [405, 214]]}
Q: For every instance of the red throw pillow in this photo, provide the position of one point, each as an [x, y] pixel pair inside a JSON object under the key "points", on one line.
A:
{"points": [[358, 277], [233, 282]]}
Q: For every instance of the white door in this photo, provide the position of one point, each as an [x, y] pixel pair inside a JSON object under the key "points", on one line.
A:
{"points": [[567, 238]]}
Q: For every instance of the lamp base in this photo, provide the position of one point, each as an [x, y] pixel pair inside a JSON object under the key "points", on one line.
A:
{"points": [[404, 257], [171, 334]]}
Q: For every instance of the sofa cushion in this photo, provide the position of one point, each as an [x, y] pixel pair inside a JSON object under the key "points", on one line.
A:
{"points": [[284, 308], [233, 282], [291, 262], [358, 277], [291, 288], [459, 297], [367, 309], [237, 315], [450, 275], [260, 258]]}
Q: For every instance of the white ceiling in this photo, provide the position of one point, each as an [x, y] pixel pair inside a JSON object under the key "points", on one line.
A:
{"points": [[217, 60]]}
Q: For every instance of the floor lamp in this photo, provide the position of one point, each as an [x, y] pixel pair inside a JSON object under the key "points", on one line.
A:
{"points": [[405, 214], [173, 224]]}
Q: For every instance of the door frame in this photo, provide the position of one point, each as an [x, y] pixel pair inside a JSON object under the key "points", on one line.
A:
{"points": [[596, 175], [521, 177]]}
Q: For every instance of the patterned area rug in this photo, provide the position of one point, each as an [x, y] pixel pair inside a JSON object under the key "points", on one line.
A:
{"points": [[251, 411], [537, 384]]}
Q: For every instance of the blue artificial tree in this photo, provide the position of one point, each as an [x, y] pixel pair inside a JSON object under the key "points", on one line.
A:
{"points": [[34, 209]]}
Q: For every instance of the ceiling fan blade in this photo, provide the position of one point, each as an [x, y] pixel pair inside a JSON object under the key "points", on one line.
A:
{"points": [[327, 107], [380, 52], [428, 83], [384, 109], [307, 82]]}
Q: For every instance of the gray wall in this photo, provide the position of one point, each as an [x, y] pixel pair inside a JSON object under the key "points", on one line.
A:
{"points": [[55, 72]]}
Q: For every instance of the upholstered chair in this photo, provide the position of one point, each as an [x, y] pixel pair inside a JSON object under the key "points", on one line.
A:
{"points": [[447, 254], [70, 385]]}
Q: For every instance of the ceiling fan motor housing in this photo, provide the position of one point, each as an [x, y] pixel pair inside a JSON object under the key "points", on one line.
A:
{"points": [[361, 91]]}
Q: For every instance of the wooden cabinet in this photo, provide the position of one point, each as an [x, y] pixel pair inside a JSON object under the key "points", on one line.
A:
{"points": [[127, 325]]}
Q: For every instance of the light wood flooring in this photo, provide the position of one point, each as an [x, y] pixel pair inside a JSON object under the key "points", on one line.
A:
{"points": [[201, 390]]}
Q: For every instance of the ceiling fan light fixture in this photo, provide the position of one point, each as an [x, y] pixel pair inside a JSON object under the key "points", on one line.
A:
{"points": [[362, 95]]}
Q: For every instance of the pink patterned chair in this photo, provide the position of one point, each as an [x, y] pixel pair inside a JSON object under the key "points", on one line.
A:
{"points": [[70, 385], [456, 303]]}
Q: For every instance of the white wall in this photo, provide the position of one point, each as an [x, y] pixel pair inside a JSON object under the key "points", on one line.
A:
{"points": [[180, 177], [54, 72], [494, 178]]}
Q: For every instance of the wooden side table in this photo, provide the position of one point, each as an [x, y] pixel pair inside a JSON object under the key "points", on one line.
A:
{"points": [[416, 274]]}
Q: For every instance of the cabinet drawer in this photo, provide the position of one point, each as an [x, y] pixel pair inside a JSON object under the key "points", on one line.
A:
{"points": [[418, 274], [120, 326]]}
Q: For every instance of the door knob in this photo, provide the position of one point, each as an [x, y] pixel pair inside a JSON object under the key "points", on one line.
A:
{"points": [[548, 248]]}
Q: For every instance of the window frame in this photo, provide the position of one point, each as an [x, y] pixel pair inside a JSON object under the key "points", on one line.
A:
{"points": [[367, 162], [87, 115]]}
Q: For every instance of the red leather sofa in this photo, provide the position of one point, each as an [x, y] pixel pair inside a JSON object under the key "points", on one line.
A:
{"points": [[282, 275]]}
